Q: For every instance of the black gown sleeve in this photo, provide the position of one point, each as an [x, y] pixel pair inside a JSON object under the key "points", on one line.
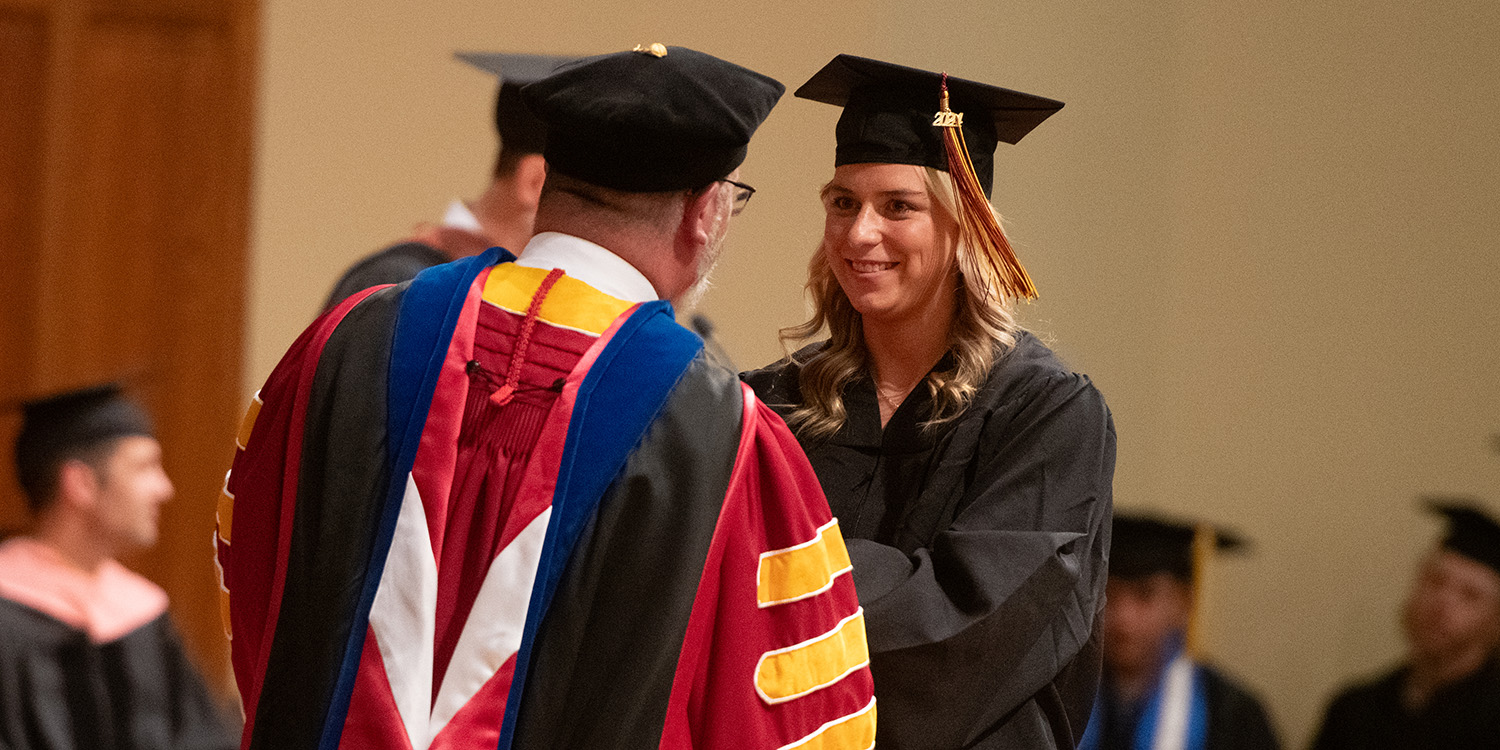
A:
{"points": [[1336, 720], [139, 692], [988, 636], [1364, 716], [197, 721], [392, 265], [1236, 718]]}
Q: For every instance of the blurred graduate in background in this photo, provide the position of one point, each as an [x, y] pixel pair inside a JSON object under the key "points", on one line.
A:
{"points": [[89, 657], [503, 215], [1155, 694], [1447, 693]]}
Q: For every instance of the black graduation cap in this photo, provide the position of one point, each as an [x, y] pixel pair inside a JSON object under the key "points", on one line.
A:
{"points": [[520, 130], [61, 426], [1471, 532], [1143, 545], [653, 119], [889, 114]]}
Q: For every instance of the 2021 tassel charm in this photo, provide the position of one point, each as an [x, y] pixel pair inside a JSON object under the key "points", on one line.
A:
{"points": [[978, 226]]}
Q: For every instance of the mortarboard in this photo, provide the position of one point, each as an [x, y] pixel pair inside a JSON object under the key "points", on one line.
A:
{"points": [[894, 114], [1471, 532], [653, 119], [63, 425], [520, 130], [1143, 545], [889, 111]]}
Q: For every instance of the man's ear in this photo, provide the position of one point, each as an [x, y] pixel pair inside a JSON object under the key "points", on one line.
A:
{"points": [[699, 212], [77, 483], [531, 173]]}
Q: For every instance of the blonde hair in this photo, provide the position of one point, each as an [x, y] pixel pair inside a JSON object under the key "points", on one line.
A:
{"points": [[984, 327]]}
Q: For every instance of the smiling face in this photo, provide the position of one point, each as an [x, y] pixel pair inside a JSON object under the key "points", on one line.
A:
{"points": [[890, 244]]}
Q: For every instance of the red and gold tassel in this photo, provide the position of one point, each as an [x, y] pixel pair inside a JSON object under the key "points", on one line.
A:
{"points": [[507, 390], [978, 226]]}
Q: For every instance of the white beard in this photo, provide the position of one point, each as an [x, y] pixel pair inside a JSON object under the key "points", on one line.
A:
{"points": [[707, 261], [706, 265]]}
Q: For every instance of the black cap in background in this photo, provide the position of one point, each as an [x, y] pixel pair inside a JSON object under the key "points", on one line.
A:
{"points": [[520, 131], [889, 111], [63, 426], [1142, 545], [1471, 532], [651, 120]]}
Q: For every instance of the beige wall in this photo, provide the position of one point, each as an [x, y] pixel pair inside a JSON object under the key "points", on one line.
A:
{"points": [[1265, 229]]}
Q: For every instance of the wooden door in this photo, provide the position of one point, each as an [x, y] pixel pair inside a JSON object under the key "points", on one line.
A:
{"points": [[125, 148]]}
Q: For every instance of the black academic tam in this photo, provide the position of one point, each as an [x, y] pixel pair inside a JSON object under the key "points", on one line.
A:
{"points": [[653, 119]]}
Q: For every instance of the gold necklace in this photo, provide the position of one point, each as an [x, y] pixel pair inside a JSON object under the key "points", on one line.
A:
{"points": [[893, 398]]}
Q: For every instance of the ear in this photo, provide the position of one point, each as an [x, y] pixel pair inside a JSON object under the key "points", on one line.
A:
{"points": [[699, 212], [531, 172], [77, 484]]}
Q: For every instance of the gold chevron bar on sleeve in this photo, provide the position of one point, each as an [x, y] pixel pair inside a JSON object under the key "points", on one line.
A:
{"points": [[803, 570], [853, 732], [814, 664], [226, 512], [247, 424], [223, 596]]}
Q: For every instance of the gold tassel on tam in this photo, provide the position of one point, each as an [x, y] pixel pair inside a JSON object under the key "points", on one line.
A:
{"points": [[978, 226], [1205, 541]]}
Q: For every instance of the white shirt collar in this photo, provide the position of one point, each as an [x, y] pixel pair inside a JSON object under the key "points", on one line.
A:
{"points": [[459, 216], [590, 263]]}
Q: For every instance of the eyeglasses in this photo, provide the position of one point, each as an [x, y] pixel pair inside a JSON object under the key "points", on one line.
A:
{"points": [[742, 195]]}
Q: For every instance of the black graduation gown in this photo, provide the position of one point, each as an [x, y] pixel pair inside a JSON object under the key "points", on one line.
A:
{"points": [[979, 550], [393, 265], [1236, 719], [60, 691], [1462, 716]]}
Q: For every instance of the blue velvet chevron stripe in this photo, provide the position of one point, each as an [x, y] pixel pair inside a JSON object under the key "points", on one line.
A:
{"points": [[424, 329], [617, 401]]}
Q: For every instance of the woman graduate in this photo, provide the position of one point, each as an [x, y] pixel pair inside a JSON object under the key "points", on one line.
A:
{"points": [[969, 469]]}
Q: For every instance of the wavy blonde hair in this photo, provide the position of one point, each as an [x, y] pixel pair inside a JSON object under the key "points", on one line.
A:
{"points": [[984, 327]]}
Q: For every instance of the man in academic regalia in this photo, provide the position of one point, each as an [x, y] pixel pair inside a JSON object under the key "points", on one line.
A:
{"points": [[1447, 694], [88, 657], [1155, 695], [502, 216], [511, 504]]}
